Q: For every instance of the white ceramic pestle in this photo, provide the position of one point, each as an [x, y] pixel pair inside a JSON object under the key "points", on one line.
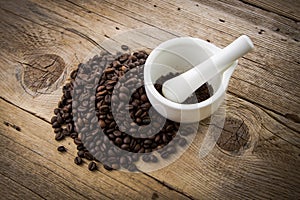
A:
{"points": [[181, 87]]}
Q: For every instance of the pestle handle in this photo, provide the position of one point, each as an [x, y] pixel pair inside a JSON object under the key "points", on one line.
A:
{"points": [[178, 89]]}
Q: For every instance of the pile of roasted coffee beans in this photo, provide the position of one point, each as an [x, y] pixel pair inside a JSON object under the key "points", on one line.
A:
{"points": [[105, 109]]}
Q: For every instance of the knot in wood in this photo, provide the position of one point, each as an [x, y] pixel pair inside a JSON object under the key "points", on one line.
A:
{"points": [[234, 135], [42, 71]]}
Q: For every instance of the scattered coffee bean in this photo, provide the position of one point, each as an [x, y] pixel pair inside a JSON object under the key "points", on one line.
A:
{"points": [[124, 47], [108, 168], [80, 153], [78, 160], [92, 166], [88, 156], [61, 149]]}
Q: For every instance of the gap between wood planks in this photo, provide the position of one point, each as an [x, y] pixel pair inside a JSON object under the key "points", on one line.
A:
{"points": [[84, 36], [268, 10], [96, 44], [169, 187], [16, 186]]}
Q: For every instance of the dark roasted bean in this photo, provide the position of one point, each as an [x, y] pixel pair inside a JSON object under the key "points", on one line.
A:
{"points": [[77, 141], [80, 153], [59, 136], [118, 141], [182, 142], [123, 96], [74, 135], [153, 158], [80, 147], [123, 160], [146, 158], [78, 160], [56, 111], [61, 149], [88, 155], [126, 140], [108, 168], [125, 146], [53, 119], [56, 125], [132, 168], [57, 130], [92, 166]]}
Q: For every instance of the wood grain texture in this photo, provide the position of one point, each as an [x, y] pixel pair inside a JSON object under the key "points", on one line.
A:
{"points": [[263, 92], [290, 8], [273, 50], [30, 158]]}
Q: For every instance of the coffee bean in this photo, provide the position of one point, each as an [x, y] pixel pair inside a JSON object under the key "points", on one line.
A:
{"points": [[77, 141], [153, 158], [59, 136], [137, 147], [56, 111], [146, 121], [78, 160], [116, 64], [92, 166], [80, 153], [124, 90], [123, 160], [74, 135], [164, 155], [57, 130], [56, 125], [138, 113], [115, 166], [126, 140], [80, 147], [88, 156], [132, 168], [61, 149], [169, 128], [124, 47], [171, 149], [118, 141], [108, 168], [109, 70], [104, 108], [146, 158], [144, 98], [73, 74], [123, 96], [102, 124], [131, 81], [117, 133], [125, 146], [182, 142], [53, 119], [59, 119]]}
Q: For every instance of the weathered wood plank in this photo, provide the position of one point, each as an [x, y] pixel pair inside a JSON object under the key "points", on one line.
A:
{"points": [[267, 167], [289, 9], [33, 149], [13, 190], [272, 63], [263, 89]]}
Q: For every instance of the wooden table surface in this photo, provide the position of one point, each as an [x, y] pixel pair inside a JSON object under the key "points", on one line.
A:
{"points": [[263, 94]]}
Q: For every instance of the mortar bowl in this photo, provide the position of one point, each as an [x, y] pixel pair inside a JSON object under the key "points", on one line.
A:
{"points": [[179, 55]]}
